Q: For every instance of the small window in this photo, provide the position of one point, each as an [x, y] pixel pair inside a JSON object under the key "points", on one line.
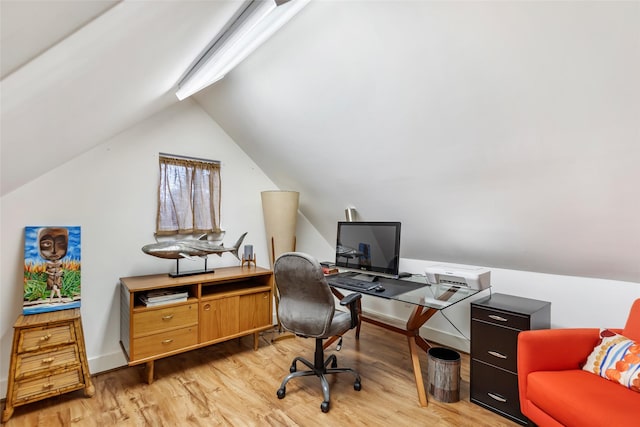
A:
{"points": [[188, 196]]}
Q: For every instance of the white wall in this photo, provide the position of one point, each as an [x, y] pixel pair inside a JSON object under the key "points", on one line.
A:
{"points": [[575, 301], [111, 192]]}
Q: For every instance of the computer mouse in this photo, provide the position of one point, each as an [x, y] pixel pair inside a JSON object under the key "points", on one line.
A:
{"points": [[379, 288]]}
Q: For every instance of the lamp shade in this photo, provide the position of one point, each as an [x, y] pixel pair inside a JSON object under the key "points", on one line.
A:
{"points": [[280, 210]]}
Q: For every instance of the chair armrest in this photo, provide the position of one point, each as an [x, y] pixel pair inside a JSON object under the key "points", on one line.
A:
{"points": [[351, 300], [552, 350]]}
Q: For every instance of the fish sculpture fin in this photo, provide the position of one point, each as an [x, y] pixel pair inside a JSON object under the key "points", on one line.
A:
{"points": [[187, 256], [235, 247]]}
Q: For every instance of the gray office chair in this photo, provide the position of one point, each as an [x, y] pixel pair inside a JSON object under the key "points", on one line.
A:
{"points": [[307, 309]]}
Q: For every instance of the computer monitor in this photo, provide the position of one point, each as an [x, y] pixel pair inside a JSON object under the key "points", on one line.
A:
{"points": [[369, 247]]}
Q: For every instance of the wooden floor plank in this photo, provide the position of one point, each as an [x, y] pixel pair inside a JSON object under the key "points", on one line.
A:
{"points": [[229, 384]]}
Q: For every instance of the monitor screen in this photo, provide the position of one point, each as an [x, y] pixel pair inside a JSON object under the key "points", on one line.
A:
{"points": [[369, 246]]}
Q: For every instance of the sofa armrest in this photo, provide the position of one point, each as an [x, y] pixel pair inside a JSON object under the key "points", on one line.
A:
{"points": [[553, 350]]}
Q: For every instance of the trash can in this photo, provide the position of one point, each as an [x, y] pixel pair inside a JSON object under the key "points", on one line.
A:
{"points": [[443, 367]]}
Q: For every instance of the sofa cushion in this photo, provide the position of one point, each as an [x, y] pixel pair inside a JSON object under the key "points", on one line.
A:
{"points": [[579, 398], [616, 358]]}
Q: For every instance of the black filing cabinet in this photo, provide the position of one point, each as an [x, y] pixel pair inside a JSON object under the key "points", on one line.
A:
{"points": [[496, 322]]}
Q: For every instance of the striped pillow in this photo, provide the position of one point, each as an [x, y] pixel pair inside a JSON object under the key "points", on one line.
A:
{"points": [[616, 358]]}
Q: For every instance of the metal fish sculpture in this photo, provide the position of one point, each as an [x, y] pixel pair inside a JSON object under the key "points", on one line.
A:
{"points": [[190, 248]]}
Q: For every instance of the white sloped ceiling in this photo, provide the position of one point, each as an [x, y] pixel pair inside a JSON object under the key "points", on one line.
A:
{"points": [[503, 134], [108, 72]]}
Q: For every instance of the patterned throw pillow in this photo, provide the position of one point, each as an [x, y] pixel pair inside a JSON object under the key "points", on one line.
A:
{"points": [[616, 358]]}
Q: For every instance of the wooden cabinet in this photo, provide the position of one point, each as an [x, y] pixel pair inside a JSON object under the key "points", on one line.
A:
{"points": [[48, 358], [228, 303], [496, 322]]}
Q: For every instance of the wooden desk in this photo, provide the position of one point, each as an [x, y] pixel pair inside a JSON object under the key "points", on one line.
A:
{"points": [[424, 308], [48, 358]]}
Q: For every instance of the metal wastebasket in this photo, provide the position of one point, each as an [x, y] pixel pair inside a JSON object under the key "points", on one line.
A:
{"points": [[443, 367]]}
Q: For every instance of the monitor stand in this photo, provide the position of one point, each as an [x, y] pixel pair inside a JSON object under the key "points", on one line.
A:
{"points": [[365, 277]]}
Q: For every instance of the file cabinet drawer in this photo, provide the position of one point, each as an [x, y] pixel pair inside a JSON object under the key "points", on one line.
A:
{"points": [[500, 318], [494, 388], [500, 350]]}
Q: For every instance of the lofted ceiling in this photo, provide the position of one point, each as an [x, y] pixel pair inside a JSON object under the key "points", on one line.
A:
{"points": [[76, 73], [503, 134]]}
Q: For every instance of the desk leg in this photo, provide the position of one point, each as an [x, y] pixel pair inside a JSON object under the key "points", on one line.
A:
{"points": [[417, 371]]}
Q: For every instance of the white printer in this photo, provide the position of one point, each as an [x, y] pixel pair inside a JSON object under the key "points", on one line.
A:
{"points": [[459, 275]]}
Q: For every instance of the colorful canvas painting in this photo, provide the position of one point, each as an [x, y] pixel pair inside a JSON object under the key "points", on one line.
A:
{"points": [[51, 269]]}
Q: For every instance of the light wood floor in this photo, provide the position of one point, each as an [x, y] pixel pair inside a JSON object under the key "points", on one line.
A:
{"points": [[231, 385]]}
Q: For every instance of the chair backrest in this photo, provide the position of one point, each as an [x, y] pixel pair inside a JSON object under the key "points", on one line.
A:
{"points": [[632, 327], [306, 304]]}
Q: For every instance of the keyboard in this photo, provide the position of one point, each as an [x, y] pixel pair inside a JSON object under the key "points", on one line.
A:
{"points": [[352, 284]]}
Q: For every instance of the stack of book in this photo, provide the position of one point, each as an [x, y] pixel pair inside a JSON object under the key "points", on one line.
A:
{"points": [[163, 296]]}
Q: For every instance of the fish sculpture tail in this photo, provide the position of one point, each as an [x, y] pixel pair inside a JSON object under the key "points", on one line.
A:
{"points": [[236, 246]]}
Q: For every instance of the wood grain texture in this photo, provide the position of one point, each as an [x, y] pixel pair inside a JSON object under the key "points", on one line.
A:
{"points": [[230, 384]]}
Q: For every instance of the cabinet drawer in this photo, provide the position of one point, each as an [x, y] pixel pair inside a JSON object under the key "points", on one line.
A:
{"points": [[31, 363], [164, 342], [495, 389], [35, 388], [35, 338], [502, 318], [160, 319], [494, 345]]}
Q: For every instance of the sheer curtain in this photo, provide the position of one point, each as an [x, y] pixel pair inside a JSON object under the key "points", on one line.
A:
{"points": [[188, 196]]}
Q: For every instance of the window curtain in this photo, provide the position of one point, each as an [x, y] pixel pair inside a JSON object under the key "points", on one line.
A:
{"points": [[188, 197]]}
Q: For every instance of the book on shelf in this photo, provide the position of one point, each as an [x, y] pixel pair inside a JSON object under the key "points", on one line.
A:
{"points": [[163, 296], [148, 303]]}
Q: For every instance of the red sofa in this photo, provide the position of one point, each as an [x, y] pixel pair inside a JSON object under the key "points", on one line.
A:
{"points": [[555, 391]]}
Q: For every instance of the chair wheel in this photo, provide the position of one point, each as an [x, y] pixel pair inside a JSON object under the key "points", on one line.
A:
{"points": [[324, 407], [357, 386], [282, 392]]}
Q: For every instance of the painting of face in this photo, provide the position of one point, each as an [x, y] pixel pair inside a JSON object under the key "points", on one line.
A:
{"points": [[51, 269], [53, 243]]}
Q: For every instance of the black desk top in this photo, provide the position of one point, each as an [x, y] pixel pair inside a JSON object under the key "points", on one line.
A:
{"points": [[413, 290]]}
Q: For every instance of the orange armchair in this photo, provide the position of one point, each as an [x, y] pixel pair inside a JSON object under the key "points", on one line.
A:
{"points": [[555, 391]]}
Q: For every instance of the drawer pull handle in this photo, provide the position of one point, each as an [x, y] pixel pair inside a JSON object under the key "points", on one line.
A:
{"points": [[207, 307], [45, 338], [498, 318], [48, 360], [496, 354], [167, 341], [47, 385], [167, 317], [497, 397]]}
